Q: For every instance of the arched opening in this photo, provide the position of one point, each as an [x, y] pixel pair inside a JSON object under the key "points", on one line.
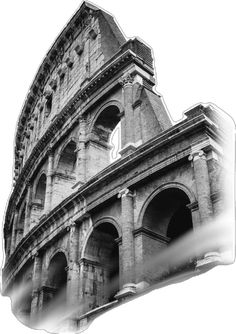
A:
{"points": [[168, 218], [48, 105], [104, 143], [21, 294], [25, 302], [168, 215], [115, 142], [56, 282], [67, 161], [102, 260], [65, 175], [41, 191], [20, 225]]}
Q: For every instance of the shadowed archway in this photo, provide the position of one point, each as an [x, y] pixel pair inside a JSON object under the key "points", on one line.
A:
{"points": [[166, 219], [101, 258]]}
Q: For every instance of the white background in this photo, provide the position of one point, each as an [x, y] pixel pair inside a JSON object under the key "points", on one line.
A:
{"points": [[195, 53]]}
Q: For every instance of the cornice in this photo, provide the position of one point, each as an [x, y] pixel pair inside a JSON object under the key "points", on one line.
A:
{"points": [[154, 235]]}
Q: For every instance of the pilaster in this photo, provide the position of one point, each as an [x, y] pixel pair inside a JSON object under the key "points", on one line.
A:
{"points": [[81, 153], [28, 207], [128, 261], [36, 280], [48, 195], [202, 181], [73, 268], [13, 237], [128, 140]]}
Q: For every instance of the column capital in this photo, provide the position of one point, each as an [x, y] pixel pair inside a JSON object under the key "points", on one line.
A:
{"points": [[82, 119], [195, 155], [28, 183], [126, 80], [50, 151], [125, 192], [71, 225], [36, 255]]}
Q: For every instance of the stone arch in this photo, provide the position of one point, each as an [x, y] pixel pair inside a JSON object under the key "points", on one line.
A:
{"points": [[106, 219], [56, 281], [67, 156], [108, 104], [54, 252], [101, 258], [165, 217], [40, 190], [105, 122], [169, 185], [20, 223], [22, 292]]}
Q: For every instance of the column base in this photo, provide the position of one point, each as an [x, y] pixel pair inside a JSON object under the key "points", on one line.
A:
{"points": [[209, 261], [128, 290], [142, 286]]}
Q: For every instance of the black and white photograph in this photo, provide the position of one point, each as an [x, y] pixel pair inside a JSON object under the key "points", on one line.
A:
{"points": [[118, 166]]}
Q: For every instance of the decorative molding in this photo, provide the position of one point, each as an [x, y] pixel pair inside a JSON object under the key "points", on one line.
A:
{"points": [[125, 192], [199, 154], [152, 234], [128, 79], [193, 206], [87, 262]]}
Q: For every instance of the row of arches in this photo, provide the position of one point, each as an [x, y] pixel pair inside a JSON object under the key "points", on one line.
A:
{"points": [[105, 130], [165, 213], [66, 165], [103, 134]]}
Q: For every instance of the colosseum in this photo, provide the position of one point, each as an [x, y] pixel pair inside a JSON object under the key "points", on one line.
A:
{"points": [[106, 186]]}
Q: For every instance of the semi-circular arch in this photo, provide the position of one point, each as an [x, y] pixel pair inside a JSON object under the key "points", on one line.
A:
{"points": [[165, 186]]}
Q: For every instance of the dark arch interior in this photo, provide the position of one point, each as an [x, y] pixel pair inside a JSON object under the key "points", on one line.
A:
{"points": [[41, 189], [57, 278], [68, 158], [168, 214], [21, 295], [102, 250], [57, 271], [25, 303], [180, 223], [106, 123], [21, 221]]}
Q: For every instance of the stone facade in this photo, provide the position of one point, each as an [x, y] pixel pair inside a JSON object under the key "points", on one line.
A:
{"points": [[82, 230]]}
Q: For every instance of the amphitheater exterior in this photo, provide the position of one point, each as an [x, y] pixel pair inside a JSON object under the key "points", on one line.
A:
{"points": [[84, 224]]}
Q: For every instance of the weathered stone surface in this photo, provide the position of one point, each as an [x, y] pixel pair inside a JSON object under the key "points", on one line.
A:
{"points": [[87, 230]]}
